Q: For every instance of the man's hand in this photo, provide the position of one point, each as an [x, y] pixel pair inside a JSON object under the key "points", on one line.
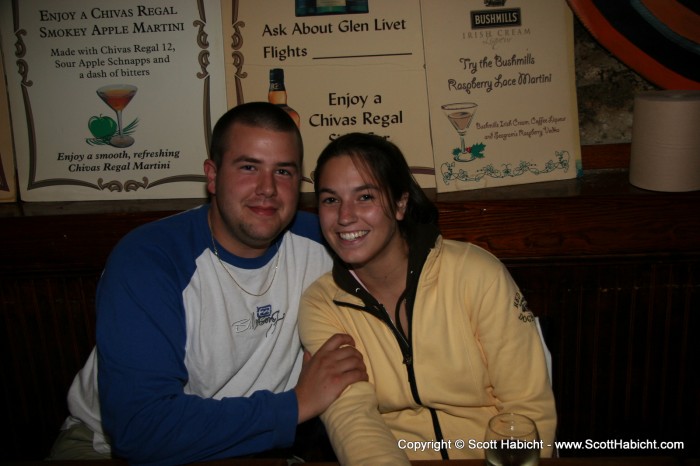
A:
{"points": [[324, 376]]}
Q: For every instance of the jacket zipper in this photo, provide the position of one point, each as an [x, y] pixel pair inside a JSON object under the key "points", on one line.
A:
{"points": [[381, 313]]}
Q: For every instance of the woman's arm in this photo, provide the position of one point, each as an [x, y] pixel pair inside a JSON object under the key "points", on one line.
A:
{"points": [[356, 429], [513, 350]]}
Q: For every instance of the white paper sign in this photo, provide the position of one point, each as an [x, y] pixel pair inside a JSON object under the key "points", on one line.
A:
{"points": [[501, 86], [113, 100], [360, 69]]}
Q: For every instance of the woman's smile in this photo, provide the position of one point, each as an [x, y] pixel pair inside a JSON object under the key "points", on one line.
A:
{"points": [[352, 235]]}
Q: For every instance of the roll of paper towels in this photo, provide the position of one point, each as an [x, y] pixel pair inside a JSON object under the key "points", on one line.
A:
{"points": [[665, 152]]}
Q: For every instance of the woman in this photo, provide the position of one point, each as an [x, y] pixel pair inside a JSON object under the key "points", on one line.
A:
{"points": [[445, 333]]}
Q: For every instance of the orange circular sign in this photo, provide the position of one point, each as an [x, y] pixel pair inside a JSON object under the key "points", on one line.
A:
{"points": [[659, 39]]}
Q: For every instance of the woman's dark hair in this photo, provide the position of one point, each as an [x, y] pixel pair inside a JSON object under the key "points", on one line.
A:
{"points": [[387, 165], [258, 115]]}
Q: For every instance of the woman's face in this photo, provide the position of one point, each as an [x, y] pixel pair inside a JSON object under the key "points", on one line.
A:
{"points": [[355, 216]]}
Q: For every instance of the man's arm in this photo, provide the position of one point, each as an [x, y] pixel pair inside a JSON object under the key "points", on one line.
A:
{"points": [[141, 342], [335, 366]]}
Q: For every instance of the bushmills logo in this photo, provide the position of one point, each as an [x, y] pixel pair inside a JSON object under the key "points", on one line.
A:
{"points": [[504, 17]]}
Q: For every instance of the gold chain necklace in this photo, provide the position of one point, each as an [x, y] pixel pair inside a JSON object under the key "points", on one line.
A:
{"points": [[274, 274]]}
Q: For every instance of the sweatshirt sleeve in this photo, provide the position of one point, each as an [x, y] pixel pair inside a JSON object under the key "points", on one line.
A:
{"points": [[511, 345], [146, 412], [355, 427]]}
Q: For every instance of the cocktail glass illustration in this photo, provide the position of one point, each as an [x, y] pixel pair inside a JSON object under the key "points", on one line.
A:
{"points": [[118, 96], [461, 116]]}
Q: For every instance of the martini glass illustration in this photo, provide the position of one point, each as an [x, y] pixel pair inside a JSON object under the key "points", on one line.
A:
{"points": [[461, 116], [118, 96]]}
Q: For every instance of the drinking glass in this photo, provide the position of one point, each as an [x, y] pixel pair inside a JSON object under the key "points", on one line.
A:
{"points": [[461, 116], [512, 440], [118, 96]]}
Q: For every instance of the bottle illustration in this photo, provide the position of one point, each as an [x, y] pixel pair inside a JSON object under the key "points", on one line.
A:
{"points": [[330, 7], [278, 94], [305, 7], [357, 6]]}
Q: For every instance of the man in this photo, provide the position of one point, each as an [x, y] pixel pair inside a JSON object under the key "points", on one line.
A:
{"points": [[197, 344]]}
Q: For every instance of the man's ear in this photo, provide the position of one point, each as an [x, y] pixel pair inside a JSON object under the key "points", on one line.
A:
{"points": [[401, 206], [210, 172]]}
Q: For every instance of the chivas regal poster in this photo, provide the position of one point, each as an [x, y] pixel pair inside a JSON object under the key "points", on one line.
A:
{"points": [[8, 185], [112, 100], [346, 66], [500, 79]]}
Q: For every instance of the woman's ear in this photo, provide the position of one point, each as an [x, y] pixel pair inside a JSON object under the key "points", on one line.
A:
{"points": [[401, 206]]}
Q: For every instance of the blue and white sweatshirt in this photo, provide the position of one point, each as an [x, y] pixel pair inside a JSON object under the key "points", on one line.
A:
{"points": [[192, 368]]}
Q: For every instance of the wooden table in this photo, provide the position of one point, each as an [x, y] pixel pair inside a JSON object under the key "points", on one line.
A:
{"points": [[592, 461]]}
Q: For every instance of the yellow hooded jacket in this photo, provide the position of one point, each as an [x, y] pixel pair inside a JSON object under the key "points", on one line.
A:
{"points": [[472, 351]]}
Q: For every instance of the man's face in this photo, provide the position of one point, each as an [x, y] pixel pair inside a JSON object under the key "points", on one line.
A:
{"points": [[256, 189]]}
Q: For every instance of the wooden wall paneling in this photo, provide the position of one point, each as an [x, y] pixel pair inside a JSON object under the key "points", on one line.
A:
{"points": [[613, 270], [48, 330], [620, 331]]}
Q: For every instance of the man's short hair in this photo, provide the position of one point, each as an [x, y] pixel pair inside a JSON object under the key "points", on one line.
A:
{"points": [[258, 115]]}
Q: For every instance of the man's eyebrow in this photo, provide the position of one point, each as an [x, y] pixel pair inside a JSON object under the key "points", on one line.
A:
{"points": [[251, 159], [288, 164], [246, 158]]}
